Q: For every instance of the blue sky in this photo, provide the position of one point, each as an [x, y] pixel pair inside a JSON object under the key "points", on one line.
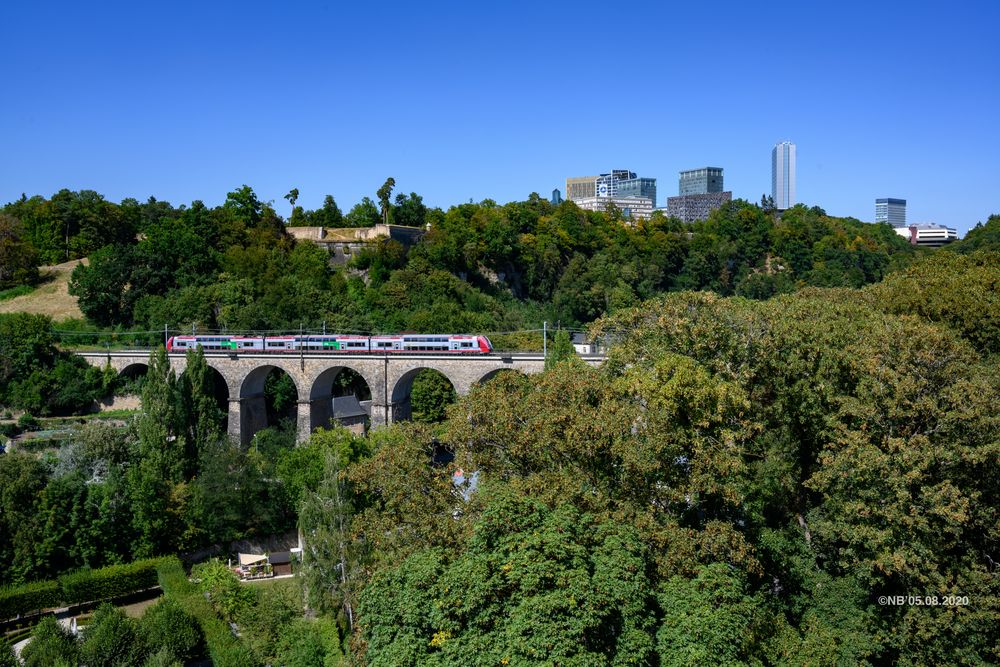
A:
{"points": [[472, 100]]}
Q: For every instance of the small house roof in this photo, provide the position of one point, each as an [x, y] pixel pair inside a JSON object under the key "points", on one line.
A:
{"points": [[280, 558], [345, 407], [251, 559]]}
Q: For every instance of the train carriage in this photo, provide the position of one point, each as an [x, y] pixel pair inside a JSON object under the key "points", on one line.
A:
{"points": [[440, 343], [335, 343], [208, 343]]}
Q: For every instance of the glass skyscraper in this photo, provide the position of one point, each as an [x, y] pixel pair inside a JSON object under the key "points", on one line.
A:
{"points": [[637, 187], [700, 181], [783, 175], [892, 211]]}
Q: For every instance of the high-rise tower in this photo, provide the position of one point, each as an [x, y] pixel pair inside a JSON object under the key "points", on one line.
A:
{"points": [[783, 175], [892, 211], [700, 181], [700, 191]]}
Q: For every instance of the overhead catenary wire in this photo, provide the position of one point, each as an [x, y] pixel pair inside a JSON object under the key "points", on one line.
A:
{"points": [[280, 332], [142, 339]]}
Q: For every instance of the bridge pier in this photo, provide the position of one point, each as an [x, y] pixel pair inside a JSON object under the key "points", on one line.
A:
{"points": [[233, 423], [313, 414], [303, 420], [380, 414], [249, 414]]}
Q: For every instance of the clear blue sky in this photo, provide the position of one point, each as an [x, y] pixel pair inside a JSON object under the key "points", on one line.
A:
{"points": [[474, 100]]}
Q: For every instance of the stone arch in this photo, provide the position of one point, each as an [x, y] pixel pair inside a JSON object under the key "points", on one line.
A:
{"points": [[401, 388], [221, 387], [495, 372], [253, 406], [130, 377], [134, 369], [322, 395]]}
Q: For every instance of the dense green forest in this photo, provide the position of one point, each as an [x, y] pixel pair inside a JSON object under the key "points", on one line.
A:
{"points": [[166, 482], [796, 420], [740, 483], [481, 267]]}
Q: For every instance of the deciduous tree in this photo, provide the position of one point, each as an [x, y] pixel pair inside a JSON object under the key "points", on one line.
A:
{"points": [[384, 196], [18, 259]]}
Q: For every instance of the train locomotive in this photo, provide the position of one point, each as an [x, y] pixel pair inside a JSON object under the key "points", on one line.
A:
{"points": [[335, 343]]}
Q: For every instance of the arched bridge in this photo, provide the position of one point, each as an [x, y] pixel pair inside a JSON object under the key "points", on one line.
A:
{"points": [[389, 377]]}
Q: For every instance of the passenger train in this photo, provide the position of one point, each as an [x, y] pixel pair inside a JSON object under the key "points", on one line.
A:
{"points": [[334, 343]]}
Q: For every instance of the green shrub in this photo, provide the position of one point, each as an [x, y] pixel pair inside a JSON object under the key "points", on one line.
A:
{"points": [[111, 640], [304, 643], [51, 645], [273, 608], [27, 423], [229, 597], [162, 658], [108, 582], [29, 597], [7, 657], [166, 625], [224, 648]]}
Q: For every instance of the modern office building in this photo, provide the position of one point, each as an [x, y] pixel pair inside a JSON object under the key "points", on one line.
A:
{"points": [[700, 191], [700, 181], [581, 187], [637, 187], [892, 211], [631, 207], [928, 234], [607, 184], [783, 175], [616, 183], [556, 197], [691, 208]]}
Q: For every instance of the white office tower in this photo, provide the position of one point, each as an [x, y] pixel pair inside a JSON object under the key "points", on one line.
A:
{"points": [[783, 175], [891, 211]]}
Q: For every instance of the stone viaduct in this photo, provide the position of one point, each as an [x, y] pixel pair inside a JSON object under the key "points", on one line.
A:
{"points": [[389, 377]]}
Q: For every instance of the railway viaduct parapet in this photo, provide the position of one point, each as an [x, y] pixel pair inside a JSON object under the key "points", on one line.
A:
{"points": [[389, 377]]}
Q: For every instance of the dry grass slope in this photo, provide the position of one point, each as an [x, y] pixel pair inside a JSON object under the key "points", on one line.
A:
{"points": [[51, 297]]}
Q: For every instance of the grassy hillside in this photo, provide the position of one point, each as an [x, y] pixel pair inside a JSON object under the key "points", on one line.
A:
{"points": [[50, 298]]}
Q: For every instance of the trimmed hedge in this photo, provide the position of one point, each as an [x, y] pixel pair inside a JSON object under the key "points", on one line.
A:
{"points": [[29, 597], [108, 582], [225, 649], [80, 586]]}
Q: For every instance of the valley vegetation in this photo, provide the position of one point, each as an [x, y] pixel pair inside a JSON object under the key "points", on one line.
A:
{"points": [[796, 419]]}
